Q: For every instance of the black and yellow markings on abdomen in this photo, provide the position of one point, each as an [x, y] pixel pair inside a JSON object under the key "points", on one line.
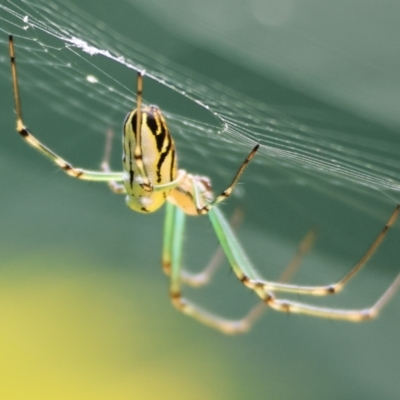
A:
{"points": [[165, 145], [163, 141]]}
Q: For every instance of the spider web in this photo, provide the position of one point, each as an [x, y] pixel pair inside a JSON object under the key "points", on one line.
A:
{"points": [[317, 166], [92, 65]]}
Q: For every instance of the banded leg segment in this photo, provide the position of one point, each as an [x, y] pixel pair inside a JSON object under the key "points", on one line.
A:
{"points": [[228, 191], [334, 313], [138, 154], [59, 161]]}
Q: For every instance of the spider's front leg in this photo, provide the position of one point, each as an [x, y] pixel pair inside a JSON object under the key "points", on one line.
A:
{"points": [[31, 140], [205, 208]]}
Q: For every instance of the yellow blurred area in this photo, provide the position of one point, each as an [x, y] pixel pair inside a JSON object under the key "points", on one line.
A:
{"points": [[85, 333]]}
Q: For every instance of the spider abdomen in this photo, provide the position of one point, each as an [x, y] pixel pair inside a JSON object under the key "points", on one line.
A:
{"points": [[157, 158]]}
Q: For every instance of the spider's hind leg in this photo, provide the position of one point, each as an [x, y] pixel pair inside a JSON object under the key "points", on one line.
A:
{"points": [[263, 285], [334, 313]]}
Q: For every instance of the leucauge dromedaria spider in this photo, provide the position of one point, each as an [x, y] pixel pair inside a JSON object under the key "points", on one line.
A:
{"points": [[151, 179]]}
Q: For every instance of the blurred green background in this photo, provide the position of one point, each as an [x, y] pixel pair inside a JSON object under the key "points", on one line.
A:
{"points": [[84, 305]]}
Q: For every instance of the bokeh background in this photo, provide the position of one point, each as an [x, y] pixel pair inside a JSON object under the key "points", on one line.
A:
{"points": [[84, 305]]}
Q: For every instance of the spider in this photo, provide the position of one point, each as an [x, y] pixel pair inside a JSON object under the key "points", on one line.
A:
{"points": [[151, 179]]}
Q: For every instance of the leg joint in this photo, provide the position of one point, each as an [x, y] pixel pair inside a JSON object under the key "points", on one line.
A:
{"points": [[177, 300]]}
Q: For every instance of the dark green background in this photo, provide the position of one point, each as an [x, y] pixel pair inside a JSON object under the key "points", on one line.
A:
{"points": [[85, 310]]}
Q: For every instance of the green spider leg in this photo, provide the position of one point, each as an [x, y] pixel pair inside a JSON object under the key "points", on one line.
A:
{"points": [[246, 273], [172, 256], [202, 278]]}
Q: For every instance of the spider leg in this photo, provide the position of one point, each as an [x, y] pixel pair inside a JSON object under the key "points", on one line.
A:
{"points": [[204, 209], [115, 186], [204, 277], [304, 247], [334, 313], [138, 154], [172, 255], [60, 162], [246, 272]]}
